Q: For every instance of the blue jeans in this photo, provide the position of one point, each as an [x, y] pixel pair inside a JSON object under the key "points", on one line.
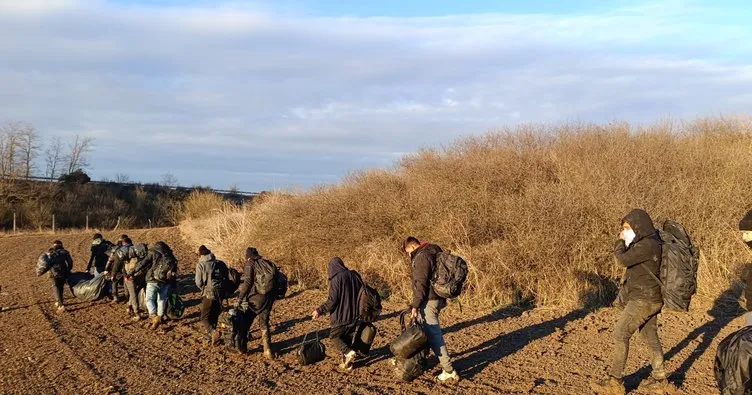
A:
{"points": [[156, 298], [429, 314]]}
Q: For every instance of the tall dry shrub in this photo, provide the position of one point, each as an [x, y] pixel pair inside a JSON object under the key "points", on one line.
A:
{"points": [[534, 210]]}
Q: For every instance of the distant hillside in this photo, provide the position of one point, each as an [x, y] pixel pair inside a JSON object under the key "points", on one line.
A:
{"points": [[72, 198]]}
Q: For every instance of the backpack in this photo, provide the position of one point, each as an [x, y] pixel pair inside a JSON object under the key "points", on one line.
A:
{"points": [[679, 263], [449, 275], [58, 267], [280, 285], [175, 306], [369, 301], [219, 274], [266, 272], [231, 284], [733, 363], [139, 251], [163, 267]]}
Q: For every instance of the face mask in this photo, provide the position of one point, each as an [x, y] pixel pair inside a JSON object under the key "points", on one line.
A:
{"points": [[629, 236]]}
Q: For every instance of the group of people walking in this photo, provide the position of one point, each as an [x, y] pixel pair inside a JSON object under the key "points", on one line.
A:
{"points": [[132, 267], [639, 249]]}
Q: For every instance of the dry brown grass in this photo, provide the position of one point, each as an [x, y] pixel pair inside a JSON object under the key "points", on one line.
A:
{"points": [[535, 210], [201, 204]]}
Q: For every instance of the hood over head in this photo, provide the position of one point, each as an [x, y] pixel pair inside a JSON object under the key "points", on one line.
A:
{"points": [[640, 222], [336, 266]]}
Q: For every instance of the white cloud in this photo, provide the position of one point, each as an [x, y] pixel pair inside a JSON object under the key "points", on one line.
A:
{"points": [[200, 81]]}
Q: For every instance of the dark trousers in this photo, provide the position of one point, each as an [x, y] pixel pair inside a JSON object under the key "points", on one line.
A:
{"points": [[637, 316], [245, 322], [342, 337], [210, 309], [58, 284], [133, 287], [117, 283]]}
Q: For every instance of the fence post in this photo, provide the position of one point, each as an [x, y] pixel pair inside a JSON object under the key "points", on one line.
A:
{"points": [[53, 223], [14, 222], [87, 222]]}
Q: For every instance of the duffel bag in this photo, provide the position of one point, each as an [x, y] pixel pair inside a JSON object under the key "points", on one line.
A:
{"points": [[364, 337], [412, 339], [411, 368], [311, 351]]}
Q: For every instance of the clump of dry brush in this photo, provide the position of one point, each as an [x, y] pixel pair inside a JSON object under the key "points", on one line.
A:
{"points": [[534, 210]]}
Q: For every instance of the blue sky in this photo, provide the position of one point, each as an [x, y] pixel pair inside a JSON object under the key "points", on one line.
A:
{"points": [[290, 94]]}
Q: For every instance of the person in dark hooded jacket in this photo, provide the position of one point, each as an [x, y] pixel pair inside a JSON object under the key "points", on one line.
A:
{"points": [[252, 304], [342, 306], [638, 249], [745, 226], [157, 290], [100, 254]]}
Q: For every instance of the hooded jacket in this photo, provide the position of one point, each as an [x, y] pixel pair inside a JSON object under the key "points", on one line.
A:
{"points": [[344, 287], [99, 254], [248, 297], [203, 276], [118, 259], [424, 262], [159, 251], [641, 258]]}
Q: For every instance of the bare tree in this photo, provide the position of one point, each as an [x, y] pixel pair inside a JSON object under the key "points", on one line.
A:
{"points": [[10, 136], [53, 157], [76, 157], [169, 180], [122, 178], [28, 148]]}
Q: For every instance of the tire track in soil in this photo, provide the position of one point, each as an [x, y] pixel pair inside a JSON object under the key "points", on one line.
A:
{"points": [[95, 346]]}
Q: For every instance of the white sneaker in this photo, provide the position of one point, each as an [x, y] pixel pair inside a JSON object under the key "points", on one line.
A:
{"points": [[445, 377], [347, 365]]}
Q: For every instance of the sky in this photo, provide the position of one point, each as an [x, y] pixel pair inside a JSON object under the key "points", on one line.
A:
{"points": [[289, 94]]}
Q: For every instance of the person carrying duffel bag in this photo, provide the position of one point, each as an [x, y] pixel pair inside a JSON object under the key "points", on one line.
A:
{"points": [[427, 303], [342, 306]]}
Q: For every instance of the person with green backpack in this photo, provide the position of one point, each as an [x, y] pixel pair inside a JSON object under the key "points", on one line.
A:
{"points": [[160, 268]]}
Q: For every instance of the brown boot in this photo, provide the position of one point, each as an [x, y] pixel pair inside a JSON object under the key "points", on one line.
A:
{"points": [[609, 386], [266, 342], [155, 321]]}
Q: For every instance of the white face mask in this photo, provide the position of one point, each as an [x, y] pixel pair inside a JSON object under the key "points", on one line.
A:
{"points": [[629, 236]]}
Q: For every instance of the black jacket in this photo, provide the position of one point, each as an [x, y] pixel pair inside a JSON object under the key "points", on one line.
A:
{"points": [[146, 265], [118, 259], [99, 255], [62, 258], [248, 297], [424, 262], [344, 287], [641, 258]]}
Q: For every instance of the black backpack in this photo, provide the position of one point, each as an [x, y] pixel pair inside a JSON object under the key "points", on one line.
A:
{"points": [[369, 301], [231, 284], [449, 275], [219, 276], [163, 267], [280, 285], [733, 363], [679, 264], [58, 267], [139, 251], [266, 272]]}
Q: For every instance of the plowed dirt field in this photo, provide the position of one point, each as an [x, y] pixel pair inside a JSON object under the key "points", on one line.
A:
{"points": [[95, 348]]}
